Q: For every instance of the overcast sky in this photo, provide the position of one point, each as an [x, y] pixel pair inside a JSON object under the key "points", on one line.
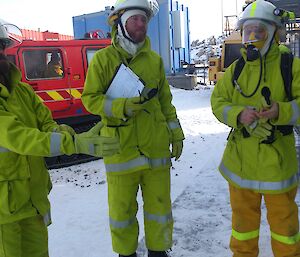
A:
{"points": [[56, 16]]}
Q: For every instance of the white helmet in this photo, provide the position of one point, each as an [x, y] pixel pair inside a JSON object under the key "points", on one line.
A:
{"points": [[10, 34], [151, 8], [261, 10]]}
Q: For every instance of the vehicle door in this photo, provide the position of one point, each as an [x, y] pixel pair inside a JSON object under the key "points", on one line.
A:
{"points": [[44, 68]]}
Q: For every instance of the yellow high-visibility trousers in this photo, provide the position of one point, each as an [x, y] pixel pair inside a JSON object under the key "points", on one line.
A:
{"points": [[158, 221], [282, 215], [25, 238]]}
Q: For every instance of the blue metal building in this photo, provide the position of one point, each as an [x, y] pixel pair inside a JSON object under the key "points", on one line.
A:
{"points": [[168, 31]]}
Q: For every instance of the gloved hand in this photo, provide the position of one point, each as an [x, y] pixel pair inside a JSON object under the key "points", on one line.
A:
{"points": [[177, 149], [264, 107], [66, 128], [261, 131], [92, 143], [133, 105], [269, 110]]}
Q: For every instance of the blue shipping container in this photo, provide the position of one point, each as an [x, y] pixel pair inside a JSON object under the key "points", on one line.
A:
{"points": [[168, 31]]}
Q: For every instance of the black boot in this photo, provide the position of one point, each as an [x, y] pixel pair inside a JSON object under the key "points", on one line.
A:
{"points": [[157, 254], [131, 255]]}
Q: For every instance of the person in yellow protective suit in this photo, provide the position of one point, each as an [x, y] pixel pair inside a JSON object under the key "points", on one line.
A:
{"points": [[27, 133], [260, 157], [54, 68], [146, 126]]}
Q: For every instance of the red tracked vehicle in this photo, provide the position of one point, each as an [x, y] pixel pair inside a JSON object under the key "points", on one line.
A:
{"points": [[60, 90]]}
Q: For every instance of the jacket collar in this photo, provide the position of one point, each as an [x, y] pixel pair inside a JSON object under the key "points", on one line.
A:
{"points": [[15, 78], [145, 48], [271, 55], [4, 93]]}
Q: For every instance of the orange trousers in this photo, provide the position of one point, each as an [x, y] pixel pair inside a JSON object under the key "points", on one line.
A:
{"points": [[282, 215]]}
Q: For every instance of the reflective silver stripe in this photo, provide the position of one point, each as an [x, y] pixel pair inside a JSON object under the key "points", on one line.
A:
{"points": [[258, 185], [47, 218], [108, 107], [91, 148], [160, 162], [174, 124], [55, 142], [225, 113], [296, 113], [121, 224], [140, 161], [127, 165], [3, 150], [164, 219]]}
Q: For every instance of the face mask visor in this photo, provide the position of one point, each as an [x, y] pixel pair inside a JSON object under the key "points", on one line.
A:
{"points": [[255, 33]]}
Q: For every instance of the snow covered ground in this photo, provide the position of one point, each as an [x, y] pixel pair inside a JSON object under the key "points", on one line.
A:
{"points": [[201, 207]]}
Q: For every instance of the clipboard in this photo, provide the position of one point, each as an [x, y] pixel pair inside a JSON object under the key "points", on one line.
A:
{"points": [[125, 84]]}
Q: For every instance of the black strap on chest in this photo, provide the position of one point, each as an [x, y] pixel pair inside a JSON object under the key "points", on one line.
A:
{"points": [[286, 65], [238, 70]]}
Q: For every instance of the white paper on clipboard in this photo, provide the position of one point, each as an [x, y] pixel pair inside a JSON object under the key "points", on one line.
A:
{"points": [[125, 84]]}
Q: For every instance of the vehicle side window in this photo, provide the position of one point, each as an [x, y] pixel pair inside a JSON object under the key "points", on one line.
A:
{"points": [[90, 53], [35, 64], [43, 64]]}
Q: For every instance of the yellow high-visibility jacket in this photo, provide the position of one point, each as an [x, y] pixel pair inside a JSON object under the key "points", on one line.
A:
{"points": [[25, 137], [145, 138], [246, 162]]}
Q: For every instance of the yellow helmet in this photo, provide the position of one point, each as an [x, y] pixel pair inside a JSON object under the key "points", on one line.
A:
{"points": [[151, 8]]}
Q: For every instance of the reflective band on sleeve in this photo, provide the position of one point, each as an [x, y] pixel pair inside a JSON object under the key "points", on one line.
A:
{"points": [[3, 150], [174, 124], [55, 143], [91, 148], [47, 218], [258, 185], [253, 9], [289, 240], [225, 113], [246, 235], [140, 161], [162, 219], [121, 224], [108, 107], [296, 113]]}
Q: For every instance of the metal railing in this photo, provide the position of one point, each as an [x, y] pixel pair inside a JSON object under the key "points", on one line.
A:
{"points": [[293, 36]]}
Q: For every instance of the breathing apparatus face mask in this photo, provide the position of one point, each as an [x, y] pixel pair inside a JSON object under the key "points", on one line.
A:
{"points": [[257, 36]]}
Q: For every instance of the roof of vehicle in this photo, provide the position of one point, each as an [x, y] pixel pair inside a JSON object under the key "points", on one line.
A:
{"points": [[58, 43]]}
